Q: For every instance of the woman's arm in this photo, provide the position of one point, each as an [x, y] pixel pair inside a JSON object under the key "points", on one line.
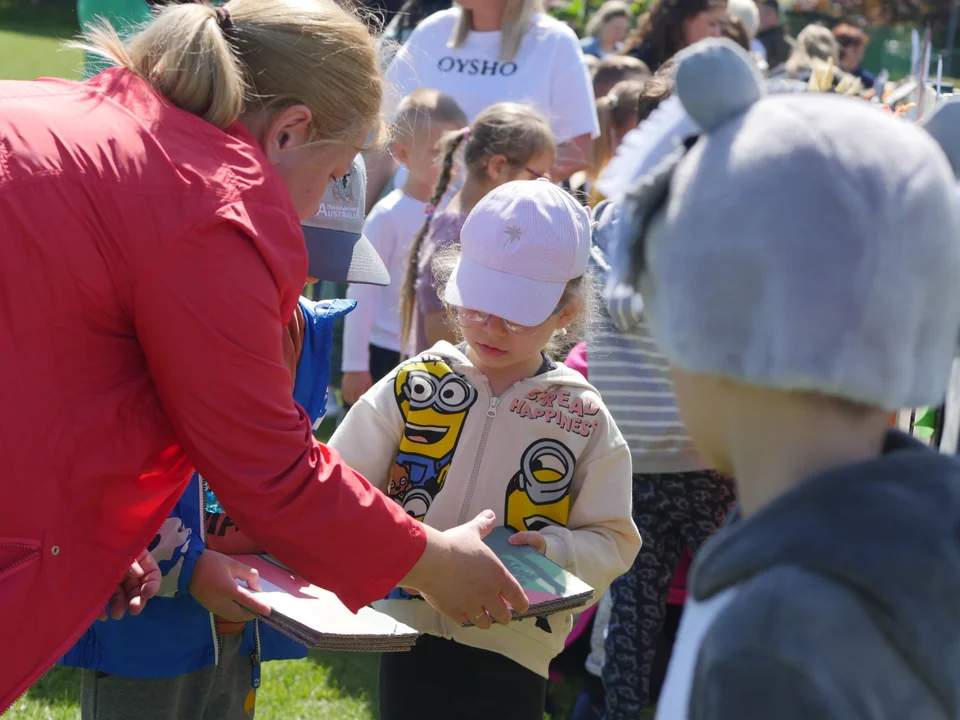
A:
{"points": [[220, 374], [573, 109], [572, 157]]}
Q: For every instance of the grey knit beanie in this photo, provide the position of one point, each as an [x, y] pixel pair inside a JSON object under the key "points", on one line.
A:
{"points": [[802, 242]]}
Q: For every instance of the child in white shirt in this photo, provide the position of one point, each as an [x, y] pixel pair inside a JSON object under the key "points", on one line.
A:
{"points": [[371, 343]]}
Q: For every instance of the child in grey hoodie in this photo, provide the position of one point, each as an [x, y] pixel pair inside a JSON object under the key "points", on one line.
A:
{"points": [[800, 264]]}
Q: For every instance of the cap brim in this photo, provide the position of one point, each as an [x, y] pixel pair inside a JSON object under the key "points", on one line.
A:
{"points": [[339, 256], [517, 299]]}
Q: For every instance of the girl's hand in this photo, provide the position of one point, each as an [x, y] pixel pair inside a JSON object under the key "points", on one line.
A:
{"points": [[534, 539], [214, 586]]}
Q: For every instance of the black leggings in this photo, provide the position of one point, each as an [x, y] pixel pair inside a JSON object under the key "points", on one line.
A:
{"points": [[443, 680]]}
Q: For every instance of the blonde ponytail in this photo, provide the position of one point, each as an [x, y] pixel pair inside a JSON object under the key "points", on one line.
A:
{"points": [[615, 111], [601, 150], [259, 55], [186, 56]]}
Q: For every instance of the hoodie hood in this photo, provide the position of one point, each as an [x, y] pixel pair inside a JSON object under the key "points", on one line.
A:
{"points": [[887, 529]]}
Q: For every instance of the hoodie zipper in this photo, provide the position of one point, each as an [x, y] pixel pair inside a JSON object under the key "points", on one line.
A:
{"points": [[475, 473], [203, 538]]}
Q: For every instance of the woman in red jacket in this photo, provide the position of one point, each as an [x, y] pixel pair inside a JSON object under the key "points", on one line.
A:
{"points": [[129, 204]]}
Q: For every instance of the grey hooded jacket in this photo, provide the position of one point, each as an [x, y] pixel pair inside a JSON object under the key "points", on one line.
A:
{"points": [[846, 601]]}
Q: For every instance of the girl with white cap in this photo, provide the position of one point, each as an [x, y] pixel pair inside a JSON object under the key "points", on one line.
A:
{"points": [[495, 422]]}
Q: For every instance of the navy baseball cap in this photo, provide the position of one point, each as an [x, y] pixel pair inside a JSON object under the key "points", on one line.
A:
{"points": [[336, 246]]}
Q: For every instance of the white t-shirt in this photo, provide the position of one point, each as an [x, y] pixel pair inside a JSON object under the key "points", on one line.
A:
{"points": [[547, 73], [674, 702], [391, 226]]}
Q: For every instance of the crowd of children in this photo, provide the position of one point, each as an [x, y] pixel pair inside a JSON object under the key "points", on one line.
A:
{"points": [[724, 336], [372, 341]]}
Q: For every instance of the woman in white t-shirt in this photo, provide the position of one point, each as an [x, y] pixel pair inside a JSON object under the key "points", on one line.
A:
{"points": [[487, 51]]}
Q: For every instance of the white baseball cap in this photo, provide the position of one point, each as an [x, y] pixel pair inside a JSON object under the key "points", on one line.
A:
{"points": [[520, 247]]}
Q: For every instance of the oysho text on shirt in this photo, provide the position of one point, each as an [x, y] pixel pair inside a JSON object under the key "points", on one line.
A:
{"points": [[476, 66]]}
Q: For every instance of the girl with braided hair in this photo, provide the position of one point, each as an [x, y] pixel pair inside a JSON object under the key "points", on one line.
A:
{"points": [[507, 141], [371, 334]]}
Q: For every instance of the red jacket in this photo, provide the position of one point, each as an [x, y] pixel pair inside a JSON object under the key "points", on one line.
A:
{"points": [[124, 223]]}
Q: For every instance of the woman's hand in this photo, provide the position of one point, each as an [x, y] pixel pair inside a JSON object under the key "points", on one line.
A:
{"points": [[214, 586], [462, 578], [141, 583], [534, 539], [572, 157], [354, 385]]}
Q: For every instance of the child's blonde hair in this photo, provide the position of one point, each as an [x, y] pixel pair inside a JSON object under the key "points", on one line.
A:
{"points": [[584, 289], [257, 55], [615, 111], [517, 15], [518, 132], [423, 108]]}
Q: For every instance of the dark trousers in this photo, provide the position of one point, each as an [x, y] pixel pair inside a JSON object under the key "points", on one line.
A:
{"points": [[382, 362], [672, 512], [442, 679]]}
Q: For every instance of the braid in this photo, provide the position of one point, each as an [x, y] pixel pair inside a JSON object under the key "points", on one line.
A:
{"points": [[408, 289]]}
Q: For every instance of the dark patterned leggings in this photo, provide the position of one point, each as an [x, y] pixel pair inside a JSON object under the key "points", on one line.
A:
{"points": [[672, 512]]}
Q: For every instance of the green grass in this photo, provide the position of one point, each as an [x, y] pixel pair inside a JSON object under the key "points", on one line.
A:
{"points": [[32, 38], [324, 686], [25, 57]]}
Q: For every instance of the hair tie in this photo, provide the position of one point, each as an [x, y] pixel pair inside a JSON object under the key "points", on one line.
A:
{"points": [[224, 21], [465, 133], [613, 100], [429, 210]]}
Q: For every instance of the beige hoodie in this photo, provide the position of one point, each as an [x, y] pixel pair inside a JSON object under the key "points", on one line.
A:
{"points": [[546, 455]]}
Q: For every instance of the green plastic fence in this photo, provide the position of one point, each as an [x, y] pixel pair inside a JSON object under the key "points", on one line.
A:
{"points": [[122, 14]]}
